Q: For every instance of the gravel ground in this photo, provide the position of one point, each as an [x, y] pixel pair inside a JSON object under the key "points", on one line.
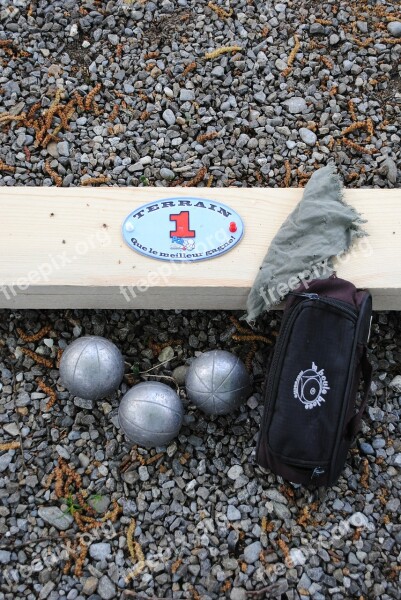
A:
{"points": [[157, 93], [124, 93], [209, 523]]}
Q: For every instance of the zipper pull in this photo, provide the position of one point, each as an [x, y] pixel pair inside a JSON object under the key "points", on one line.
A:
{"points": [[317, 472], [310, 296]]}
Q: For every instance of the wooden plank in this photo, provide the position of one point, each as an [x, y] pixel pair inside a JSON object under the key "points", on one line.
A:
{"points": [[67, 244]]}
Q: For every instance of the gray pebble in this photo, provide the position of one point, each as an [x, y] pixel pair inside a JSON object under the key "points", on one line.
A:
{"points": [[83, 403], [100, 503], [316, 28], [233, 514], [260, 97], [46, 590], [394, 28], [397, 460], [100, 550], [232, 540], [55, 517], [90, 585], [143, 473], [347, 64], [282, 511], [113, 39], [63, 148], [218, 71], [366, 448], [252, 552], [393, 505], [106, 588], [186, 95], [169, 116], [389, 168], [296, 105], [11, 429], [307, 136], [5, 460], [5, 557], [280, 64], [234, 472], [167, 174], [179, 374], [362, 26]]}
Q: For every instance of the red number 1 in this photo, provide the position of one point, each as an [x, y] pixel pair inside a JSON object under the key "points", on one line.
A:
{"points": [[182, 225]]}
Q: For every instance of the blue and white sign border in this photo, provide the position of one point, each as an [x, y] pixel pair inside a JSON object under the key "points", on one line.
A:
{"points": [[132, 227]]}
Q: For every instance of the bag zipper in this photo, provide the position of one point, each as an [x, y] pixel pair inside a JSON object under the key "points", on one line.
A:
{"points": [[347, 390], [341, 304], [277, 355]]}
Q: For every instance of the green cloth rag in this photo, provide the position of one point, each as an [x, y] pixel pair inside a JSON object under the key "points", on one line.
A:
{"points": [[321, 227]]}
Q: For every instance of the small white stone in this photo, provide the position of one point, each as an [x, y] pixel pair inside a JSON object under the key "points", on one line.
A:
{"points": [[143, 473], [297, 556], [395, 384], [296, 105], [252, 402], [166, 354], [18, 352], [106, 408], [77, 330], [235, 472], [73, 30], [358, 519]]}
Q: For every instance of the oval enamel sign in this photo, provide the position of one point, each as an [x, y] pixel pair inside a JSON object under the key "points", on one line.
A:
{"points": [[183, 229]]}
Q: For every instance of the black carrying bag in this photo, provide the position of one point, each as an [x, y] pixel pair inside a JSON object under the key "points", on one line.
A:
{"points": [[311, 414]]}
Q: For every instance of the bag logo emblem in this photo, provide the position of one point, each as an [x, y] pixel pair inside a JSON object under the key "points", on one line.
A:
{"points": [[310, 386]]}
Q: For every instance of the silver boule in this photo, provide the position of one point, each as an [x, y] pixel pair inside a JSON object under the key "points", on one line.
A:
{"points": [[217, 382], [91, 367], [151, 414]]}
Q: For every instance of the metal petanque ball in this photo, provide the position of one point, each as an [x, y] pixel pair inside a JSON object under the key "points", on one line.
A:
{"points": [[91, 367], [217, 382], [151, 414]]}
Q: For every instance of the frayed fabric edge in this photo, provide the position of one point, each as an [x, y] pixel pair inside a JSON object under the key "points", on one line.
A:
{"points": [[359, 220], [356, 231]]}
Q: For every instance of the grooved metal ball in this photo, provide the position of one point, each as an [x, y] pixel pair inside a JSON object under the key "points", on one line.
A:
{"points": [[91, 367], [151, 414], [217, 382]]}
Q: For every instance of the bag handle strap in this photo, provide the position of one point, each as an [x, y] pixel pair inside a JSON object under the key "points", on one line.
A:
{"points": [[367, 370]]}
